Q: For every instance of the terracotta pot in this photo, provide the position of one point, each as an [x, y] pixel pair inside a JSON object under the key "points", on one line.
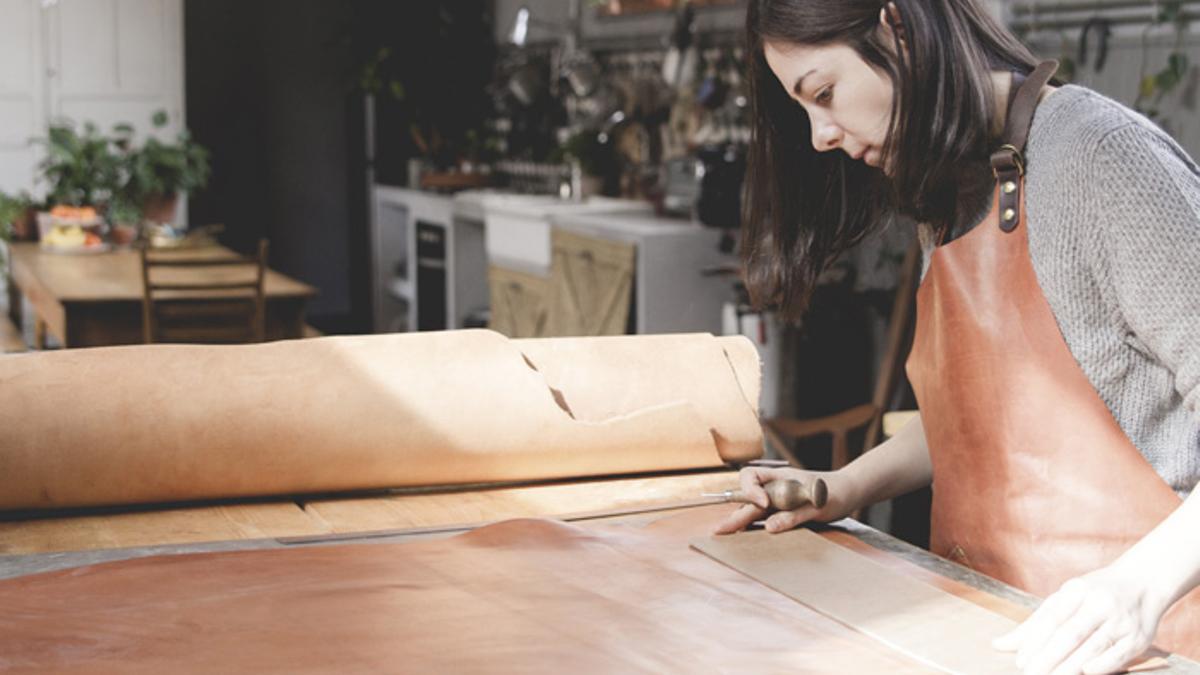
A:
{"points": [[24, 228], [592, 186], [160, 208], [123, 235]]}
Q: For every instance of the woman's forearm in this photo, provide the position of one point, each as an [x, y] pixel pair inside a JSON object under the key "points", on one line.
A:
{"points": [[895, 467], [1170, 554]]}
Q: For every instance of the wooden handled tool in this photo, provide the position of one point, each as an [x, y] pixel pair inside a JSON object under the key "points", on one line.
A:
{"points": [[784, 495]]}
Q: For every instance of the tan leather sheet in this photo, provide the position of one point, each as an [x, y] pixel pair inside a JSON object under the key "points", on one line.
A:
{"points": [[177, 422], [526, 596]]}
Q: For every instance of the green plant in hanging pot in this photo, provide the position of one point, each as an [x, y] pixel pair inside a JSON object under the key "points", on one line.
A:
{"points": [[157, 172], [1154, 87]]}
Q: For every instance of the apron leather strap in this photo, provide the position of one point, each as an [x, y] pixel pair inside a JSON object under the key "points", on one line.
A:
{"points": [[1018, 79], [1008, 162]]}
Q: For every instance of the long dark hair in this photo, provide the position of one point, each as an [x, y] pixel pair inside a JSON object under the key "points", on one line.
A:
{"points": [[803, 208]]}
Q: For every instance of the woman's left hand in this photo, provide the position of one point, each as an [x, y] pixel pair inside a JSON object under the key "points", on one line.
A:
{"points": [[1094, 624]]}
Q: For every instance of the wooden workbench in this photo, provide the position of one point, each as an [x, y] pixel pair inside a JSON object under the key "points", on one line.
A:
{"points": [[411, 510], [34, 545]]}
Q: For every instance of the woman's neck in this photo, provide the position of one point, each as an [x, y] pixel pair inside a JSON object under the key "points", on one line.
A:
{"points": [[1001, 85]]}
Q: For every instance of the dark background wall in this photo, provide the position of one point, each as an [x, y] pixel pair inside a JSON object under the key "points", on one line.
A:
{"points": [[272, 89], [266, 88]]}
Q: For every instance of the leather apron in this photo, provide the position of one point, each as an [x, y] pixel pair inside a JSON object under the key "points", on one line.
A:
{"points": [[1034, 482]]}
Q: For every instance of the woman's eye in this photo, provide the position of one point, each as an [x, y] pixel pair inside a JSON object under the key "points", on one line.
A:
{"points": [[824, 96]]}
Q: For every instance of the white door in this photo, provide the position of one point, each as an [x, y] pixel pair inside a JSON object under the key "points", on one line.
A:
{"points": [[101, 61], [22, 103], [114, 61]]}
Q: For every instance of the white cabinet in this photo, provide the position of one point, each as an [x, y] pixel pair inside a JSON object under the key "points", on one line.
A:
{"points": [[518, 226], [392, 299], [100, 61], [429, 265], [675, 290], [432, 254]]}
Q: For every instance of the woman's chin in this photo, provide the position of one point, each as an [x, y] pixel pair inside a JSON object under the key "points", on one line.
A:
{"points": [[875, 160]]}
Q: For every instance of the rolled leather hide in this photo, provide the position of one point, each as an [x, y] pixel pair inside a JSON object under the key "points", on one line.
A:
{"points": [[167, 423]]}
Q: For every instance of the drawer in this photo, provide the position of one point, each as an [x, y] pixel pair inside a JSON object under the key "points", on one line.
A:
{"points": [[591, 289], [518, 302]]}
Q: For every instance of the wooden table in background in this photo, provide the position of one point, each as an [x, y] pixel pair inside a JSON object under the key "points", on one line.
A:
{"points": [[95, 300]]}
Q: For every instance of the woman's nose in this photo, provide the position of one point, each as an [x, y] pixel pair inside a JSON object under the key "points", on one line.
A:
{"points": [[826, 136]]}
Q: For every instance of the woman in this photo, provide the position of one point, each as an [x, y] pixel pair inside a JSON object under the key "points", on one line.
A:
{"points": [[1056, 359]]}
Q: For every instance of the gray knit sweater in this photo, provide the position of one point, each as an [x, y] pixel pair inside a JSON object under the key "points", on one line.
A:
{"points": [[1113, 212]]}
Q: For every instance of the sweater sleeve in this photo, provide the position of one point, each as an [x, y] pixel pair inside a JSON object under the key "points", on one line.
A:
{"points": [[1149, 223]]}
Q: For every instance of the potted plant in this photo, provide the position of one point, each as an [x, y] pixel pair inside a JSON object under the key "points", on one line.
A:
{"points": [[81, 168], [595, 159], [8, 213], [156, 173], [125, 219], [18, 216]]}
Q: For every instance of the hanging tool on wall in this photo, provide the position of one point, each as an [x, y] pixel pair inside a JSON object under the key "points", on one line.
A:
{"points": [[679, 64], [1102, 27]]}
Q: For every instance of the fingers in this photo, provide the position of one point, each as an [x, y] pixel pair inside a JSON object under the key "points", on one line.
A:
{"points": [[1042, 626], [1096, 645], [1066, 640], [1094, 624], [786, 520], [778, 522], [1029, 637], [740, 519], [752, 479], [1072, 632], [1114, 658]]}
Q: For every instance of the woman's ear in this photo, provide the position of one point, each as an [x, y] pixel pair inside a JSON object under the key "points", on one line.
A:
{"points": [[890, 23]]}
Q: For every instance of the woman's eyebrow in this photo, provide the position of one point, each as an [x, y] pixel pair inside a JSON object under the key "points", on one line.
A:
{"points": [[800, 80]]}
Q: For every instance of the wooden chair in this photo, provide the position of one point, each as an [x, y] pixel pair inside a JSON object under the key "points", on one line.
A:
{"points": [[11, 340], [870, 415], [202, 297]]}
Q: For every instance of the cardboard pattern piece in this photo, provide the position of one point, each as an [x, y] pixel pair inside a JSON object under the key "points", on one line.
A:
{"points": [[929, 625], [161, 423]]}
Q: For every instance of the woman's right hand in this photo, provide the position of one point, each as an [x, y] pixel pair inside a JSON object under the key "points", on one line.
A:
{"points": [[842, 500]]}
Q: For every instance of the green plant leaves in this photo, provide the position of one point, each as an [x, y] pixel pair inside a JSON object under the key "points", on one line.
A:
{"points": [[1177, 63], [90, 169], [81, 168], [1066, 68], [1147, 86]]}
